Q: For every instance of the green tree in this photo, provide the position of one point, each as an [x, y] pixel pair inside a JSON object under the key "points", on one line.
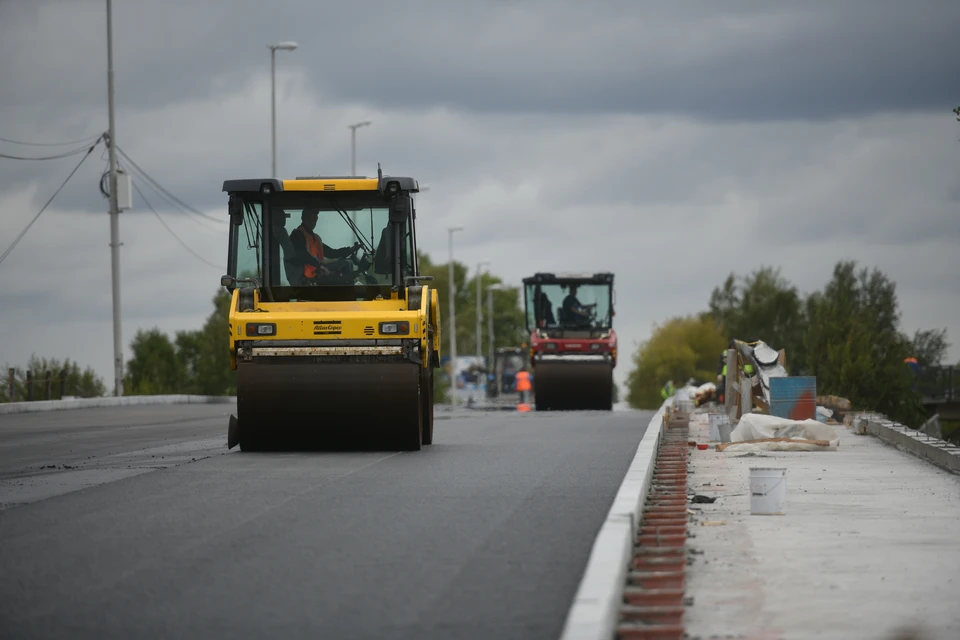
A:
{"points": [[195, 362], [509, 326], [83, 383], [762, 306], [854, 347], [214, 375], [155, 367], [681, 349], [929, 346]]}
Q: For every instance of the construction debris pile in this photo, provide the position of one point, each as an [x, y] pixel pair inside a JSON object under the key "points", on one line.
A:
{"points": [[757, 406]]}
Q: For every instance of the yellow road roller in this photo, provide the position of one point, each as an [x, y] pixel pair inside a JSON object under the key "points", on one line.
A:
{"points": [[333, 333]]}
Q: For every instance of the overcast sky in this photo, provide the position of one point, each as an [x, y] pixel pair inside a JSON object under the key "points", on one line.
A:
{"points": [[670, 143]]}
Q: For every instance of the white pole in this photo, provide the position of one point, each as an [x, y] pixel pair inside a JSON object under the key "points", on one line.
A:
{"points": [[453, 320], [114, 215], [273, 112], [479, 336], [490, 328], [353, 144], [285, 46]]}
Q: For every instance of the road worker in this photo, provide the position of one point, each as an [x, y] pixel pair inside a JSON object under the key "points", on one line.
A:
{"points": [[523, 385], [310, 248]]}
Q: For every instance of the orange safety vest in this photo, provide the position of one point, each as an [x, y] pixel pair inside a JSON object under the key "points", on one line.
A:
{"points": [[314, 248], [523, 381]]}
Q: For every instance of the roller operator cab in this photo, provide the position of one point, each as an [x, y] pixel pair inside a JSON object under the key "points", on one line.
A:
{"points": [[573, 347], [502, 378], [333, 333]]}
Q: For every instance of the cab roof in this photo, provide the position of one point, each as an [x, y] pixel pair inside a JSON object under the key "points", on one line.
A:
{"points": [[570, 278], [321, 183]]}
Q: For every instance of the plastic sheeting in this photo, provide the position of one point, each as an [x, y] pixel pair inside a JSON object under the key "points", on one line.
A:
{"points": [[755, 426]]}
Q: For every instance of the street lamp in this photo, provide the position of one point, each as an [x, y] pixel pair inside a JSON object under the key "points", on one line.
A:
{"points": [[282, 46], [490, 290], [353, 144], [479, 314], [453, 321]]}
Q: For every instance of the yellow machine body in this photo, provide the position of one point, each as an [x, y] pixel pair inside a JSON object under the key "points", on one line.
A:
{"points": [[331, 350]]}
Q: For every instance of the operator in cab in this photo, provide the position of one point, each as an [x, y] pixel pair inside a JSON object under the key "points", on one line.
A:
{"points": [[310, 248], [572, 311]]}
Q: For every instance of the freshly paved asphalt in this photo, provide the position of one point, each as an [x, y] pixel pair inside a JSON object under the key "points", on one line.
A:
{"points": [[136, 522]]}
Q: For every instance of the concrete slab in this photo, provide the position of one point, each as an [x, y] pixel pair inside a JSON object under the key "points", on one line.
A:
{"points": [[869, 546]]}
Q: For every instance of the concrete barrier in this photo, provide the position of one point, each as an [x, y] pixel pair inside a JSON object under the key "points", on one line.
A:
{"points": [[110, 401], [940, 452]]}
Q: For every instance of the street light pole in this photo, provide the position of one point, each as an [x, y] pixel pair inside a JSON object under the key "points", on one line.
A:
{"points": [[453, 320], [283, 46], [114, 215], [353, 144], [490, 290], [479, 307]]}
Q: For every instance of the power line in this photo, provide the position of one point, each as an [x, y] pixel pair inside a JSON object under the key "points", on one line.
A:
{"points": [[170, 202], [161, 188], [165, 226], [65, 154], [24, 232], [52, 144]]}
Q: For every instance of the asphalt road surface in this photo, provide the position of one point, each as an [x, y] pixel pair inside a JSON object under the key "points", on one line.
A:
{"points": [[136, 522]]}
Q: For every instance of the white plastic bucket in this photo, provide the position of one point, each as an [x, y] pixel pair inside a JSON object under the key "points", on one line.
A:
{"points": [[725, 429], [719, 427], [714, 427], [768, 491]]}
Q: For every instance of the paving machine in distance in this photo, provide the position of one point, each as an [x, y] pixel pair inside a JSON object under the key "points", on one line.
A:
{"points": [[501, 382], [573, 347], [333, 334]]}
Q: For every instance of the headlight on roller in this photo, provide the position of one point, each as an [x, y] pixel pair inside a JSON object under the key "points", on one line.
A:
{"points": [[261, 329], [395, 328]]}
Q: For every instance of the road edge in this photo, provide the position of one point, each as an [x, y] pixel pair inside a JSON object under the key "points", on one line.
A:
{"points": [[110, 401], [596, 605]]}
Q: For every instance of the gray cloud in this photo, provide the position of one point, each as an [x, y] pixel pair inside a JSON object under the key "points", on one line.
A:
{"points": [[794, 135]]}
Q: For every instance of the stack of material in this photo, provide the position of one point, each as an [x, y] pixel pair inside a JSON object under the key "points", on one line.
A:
{"points": [[757, 432], [767, 363], [706, 393], [841, 407]]}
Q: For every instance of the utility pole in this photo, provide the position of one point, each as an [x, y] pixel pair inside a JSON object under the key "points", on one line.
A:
{"points": [[353, 144], [490, 290], [453, 320], [114, 215], [479, 312], [282, 46]]}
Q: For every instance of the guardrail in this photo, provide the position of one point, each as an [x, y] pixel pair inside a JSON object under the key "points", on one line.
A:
{"points": [[939, 384]]}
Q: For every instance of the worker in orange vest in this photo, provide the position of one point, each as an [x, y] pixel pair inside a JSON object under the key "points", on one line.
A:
{"points": [[310, 249], [523, 384]]}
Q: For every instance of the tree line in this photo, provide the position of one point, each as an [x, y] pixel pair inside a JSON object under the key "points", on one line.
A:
{"points": [[848, 335], [198, 361]]}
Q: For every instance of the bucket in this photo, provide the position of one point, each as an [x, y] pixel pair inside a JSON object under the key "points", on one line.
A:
{"points": [[725, 429], [768, 491], [720, 427]]}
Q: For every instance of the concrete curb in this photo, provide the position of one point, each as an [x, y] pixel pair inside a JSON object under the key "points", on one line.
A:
{"points": [[89, 403], [939, 452], [596, 606]]}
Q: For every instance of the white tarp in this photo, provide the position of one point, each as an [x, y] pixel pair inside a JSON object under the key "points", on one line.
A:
{"points": [[756, 426], [709, 386]]}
